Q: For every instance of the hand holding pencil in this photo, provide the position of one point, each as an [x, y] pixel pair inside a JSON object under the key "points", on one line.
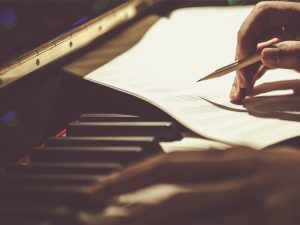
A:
{"points": [[268, 23]]}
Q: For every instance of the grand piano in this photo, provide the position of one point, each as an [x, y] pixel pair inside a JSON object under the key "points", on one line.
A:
{"points": [[59, 133]]}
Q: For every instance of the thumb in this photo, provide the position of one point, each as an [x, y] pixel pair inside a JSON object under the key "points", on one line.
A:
{"points": [[282, 55]]}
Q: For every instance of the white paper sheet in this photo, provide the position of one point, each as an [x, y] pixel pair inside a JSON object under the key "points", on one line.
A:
{"points": [[164, 66]]}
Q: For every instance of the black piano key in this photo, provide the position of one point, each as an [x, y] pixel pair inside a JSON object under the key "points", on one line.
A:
{"points": [[149, 143], [64, 168], [37, 215], [103, 117], [78, 197], [163, 131], [47, 179], [118, 154]]}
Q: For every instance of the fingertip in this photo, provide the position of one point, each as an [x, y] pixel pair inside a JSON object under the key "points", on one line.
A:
{"points": [[266, 44], [234, 96], [235, 99], [238, 95]]}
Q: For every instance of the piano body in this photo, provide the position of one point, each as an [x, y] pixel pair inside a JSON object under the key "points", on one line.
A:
{"points": [[60, 133]]}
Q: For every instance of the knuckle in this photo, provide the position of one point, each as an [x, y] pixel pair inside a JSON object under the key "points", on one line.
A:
{"points": [[263, 6]]}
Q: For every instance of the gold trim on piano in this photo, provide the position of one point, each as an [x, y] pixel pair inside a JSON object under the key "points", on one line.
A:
{"points": [[72, 41]]}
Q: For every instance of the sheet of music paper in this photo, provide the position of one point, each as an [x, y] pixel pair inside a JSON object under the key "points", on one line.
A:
{"points": [[177, 51]]}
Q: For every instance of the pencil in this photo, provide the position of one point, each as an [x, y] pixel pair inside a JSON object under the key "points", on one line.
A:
{"points": [[233, 66]]}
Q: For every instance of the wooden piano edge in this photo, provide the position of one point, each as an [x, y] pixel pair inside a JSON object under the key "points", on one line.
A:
{"points": [[73, 40]]}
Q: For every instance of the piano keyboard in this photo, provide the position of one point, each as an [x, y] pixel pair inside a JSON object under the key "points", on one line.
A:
{"points": [[52, 186]]}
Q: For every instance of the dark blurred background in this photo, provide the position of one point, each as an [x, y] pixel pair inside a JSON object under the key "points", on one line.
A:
{"points": [[27, 24]]}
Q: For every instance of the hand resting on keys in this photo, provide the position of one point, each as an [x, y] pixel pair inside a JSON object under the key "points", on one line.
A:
{"points": [[238, 186]]}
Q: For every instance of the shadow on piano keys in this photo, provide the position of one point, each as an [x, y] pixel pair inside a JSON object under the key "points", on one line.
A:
{"points": [[47, 179]]}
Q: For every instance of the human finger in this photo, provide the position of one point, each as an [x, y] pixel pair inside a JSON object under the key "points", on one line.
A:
{"points": [[260, 72], [256, 69], [187, 204], [282, 55], [180, 167], [237, 93]]}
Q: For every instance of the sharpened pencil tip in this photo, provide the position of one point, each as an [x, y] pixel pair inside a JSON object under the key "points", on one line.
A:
{"points": [[205, 78], [208, 77]]}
